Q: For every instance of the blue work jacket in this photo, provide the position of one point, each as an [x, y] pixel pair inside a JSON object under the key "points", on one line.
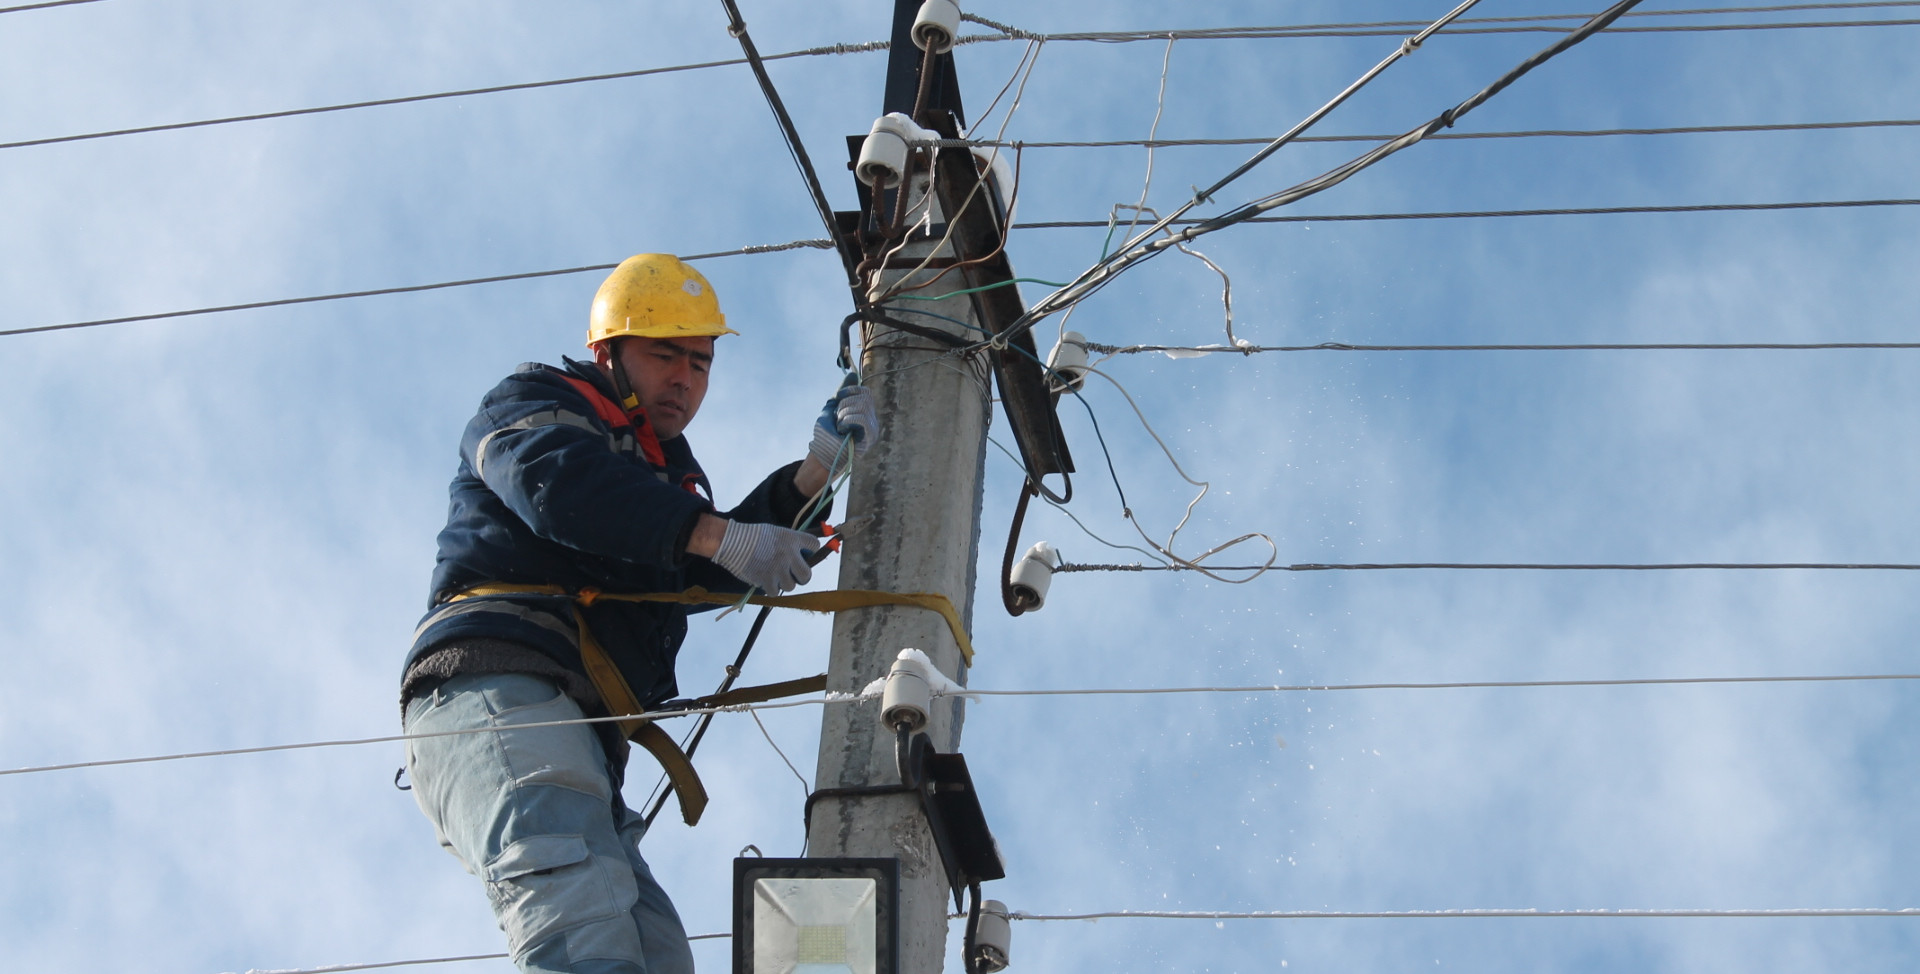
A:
{"points": [[558, 485]]}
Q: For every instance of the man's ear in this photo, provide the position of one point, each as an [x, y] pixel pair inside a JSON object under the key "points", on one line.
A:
{"points": [[603, 353]]}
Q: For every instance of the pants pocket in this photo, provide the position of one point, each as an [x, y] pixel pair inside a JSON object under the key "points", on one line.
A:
{"points": [[545, 884]]}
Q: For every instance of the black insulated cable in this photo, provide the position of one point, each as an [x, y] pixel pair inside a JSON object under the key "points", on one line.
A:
{"points": [[738, 28], [664, 791]]}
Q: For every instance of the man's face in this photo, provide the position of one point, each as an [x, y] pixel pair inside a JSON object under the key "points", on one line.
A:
{"points": [[670, 377]]}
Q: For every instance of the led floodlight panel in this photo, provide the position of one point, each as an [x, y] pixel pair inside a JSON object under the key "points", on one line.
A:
{"points": [[815, 916]]}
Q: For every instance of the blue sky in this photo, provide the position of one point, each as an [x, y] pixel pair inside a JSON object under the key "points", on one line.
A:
{"points": [[218, 529]]}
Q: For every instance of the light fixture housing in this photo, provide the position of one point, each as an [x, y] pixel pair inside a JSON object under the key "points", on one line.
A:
{"points": [[816, 916]]}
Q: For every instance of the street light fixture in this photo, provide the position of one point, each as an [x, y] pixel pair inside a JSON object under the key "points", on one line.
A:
{"points": [[816, 916]]}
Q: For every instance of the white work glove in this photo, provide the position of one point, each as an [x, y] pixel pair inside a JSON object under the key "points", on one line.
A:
{"points": [[770, 558], [849, 414]]}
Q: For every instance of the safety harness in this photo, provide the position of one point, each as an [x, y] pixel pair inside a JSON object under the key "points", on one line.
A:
{"points": [[619, 698]]}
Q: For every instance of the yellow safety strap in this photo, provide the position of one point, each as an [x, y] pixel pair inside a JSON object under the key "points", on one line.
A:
{"points": [[837, 600], [620, 700]]}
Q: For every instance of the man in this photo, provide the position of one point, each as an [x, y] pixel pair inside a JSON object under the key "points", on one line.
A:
{"points": [[575, 481]]}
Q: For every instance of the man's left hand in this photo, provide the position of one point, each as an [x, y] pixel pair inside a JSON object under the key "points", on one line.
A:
{"points": [[849, 417]]}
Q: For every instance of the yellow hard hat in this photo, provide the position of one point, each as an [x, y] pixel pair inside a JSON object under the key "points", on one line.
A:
{"points": [[655, 296]]}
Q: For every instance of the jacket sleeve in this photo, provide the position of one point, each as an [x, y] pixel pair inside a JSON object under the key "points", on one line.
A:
{"points": [[538, 447], [775, 501]]}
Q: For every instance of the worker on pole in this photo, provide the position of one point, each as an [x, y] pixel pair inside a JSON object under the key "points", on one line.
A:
{"points": [[577, 503]]}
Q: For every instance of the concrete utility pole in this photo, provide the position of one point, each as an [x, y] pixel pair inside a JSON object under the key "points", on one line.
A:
{"points": [[921, 487]]}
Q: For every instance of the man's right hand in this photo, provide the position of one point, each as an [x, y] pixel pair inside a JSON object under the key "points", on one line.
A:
{"points": [[770, 558]]}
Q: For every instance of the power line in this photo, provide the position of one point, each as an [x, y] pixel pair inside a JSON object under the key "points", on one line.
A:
{"points": [[1571, 347], [1474, 685], [394, 738], [1396, 26], [861, 47], [823, 244], [1140, 248], [843, 698], [795, 147], [1406, 48], [332, 968], [1488, 214], [1470, 914], [43, 6], [404, 289], [1438, 136], [1282, 33], [1505, 566], [434, 96]]}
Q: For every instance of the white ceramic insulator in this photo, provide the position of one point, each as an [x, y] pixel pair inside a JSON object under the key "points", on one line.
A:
{"points": [[936, 26], [993, 939], [1033, 573], [1068, 361], [883, 156], [907, 697]]}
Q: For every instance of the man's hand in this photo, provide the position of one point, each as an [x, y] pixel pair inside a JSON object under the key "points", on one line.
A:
{"points": [[770, 558], [848, 416]]}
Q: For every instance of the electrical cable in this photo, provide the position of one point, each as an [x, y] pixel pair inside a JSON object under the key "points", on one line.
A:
{"points": [[1475, 685], [1142, 248], [1396, 26], [738, 28], [900, 284], [968, 961], [1032, 51], [1468, 914], [1153, 130], [332, 968], [663, 789], [438, 95], [405, 289], [842, 698], [1200, 350], [1488, 214], [396, 738], [805, 787], [1288, 33], [873, 46], [1511, 566], [1166, 550], [1407, 47], [43, 6], [1070, 515], [1436, 137], [1015, 602], [974, 290], [822, 244]]}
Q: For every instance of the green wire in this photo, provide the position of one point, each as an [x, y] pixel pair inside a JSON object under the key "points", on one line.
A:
{"points": [[971, 290]]}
